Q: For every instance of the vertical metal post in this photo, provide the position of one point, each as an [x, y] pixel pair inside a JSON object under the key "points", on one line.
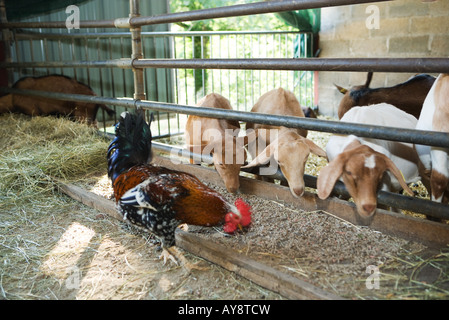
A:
{"points": [[137, 53], [5, 42]]}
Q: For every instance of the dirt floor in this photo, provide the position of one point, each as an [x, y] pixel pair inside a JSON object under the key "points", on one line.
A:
{"points": [[53, 247]]}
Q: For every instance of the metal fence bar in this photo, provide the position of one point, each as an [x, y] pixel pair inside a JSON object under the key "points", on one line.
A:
{"points": [[125, 63], [439, 139], [434, 138], [26, 35], [214, 13], [425, 65], [58, 24], [243, 10]]}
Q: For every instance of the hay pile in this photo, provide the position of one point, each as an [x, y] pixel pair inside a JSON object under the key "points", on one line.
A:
{"points": [[34, 150], [31, 152]]}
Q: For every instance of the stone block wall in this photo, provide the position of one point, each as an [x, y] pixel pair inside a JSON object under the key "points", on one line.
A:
{"points": [[407, 28]]}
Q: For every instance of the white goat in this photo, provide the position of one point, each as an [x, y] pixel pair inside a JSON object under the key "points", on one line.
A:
{"points": [[435, 117], [362, 162]]}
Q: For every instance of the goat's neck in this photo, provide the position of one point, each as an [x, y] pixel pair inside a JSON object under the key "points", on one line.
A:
{"points": [[387, 95], [301, 132], [351, 144]]}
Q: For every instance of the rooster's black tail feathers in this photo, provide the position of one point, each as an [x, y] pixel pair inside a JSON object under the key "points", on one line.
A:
{"points": [[132, 144]]}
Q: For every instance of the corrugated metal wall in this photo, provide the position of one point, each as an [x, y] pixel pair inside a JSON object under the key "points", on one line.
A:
{"points": [[106, 82]]}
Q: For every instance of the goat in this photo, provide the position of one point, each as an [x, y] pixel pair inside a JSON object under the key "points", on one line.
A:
{"points": [[219, 137], [6, 104], [435, 117], [308, 112], [407, 96], [362, 162], [288, 147], [39, 106]]}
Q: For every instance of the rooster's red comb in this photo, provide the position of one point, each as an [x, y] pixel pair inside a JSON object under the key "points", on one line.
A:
{"points": [[245, 211], [232, 221]]}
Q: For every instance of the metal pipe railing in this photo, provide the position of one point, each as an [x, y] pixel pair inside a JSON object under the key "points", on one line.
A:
{"points": [[125, 63], [244, 9], [394, 200], [438, 139], [412, 65], [27, 35], [214, 13], [424, 65]]}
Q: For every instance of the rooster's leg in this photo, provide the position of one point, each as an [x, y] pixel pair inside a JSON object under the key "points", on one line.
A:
{"points": [[166, 254], [175, 255]]}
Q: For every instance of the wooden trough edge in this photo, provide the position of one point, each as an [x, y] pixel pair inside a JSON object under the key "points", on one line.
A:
{"points": [[429, 233], [263, 275]]}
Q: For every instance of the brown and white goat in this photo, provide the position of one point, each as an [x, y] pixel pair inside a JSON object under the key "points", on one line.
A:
{"points": [[361, 163], [218, 137], [435, 117], [407, 96], [287, 147], [38, 106]]}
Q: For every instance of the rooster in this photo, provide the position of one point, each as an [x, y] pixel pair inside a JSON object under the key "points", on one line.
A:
{"points": [[159, 199]]}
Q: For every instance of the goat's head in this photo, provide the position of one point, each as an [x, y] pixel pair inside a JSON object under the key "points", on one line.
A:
{"points": [[228, 155], [290, 151], [352, 95], [362, 170]]}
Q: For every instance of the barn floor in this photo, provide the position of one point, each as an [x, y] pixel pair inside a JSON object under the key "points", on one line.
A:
{"points": [[53, 247]]}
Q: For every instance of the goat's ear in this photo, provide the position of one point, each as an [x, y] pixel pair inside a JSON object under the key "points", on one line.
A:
{"points": [[314, 148], [264, 157], [329, 175], [341, 89], [398, 174]]}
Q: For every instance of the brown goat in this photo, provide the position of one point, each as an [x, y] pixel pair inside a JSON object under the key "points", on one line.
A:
{"points": [[288, 147], [408, 96], [218, 137], [39, 106], [308, 112]]}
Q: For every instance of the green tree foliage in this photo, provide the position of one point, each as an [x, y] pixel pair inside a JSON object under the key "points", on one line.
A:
{"points": [[253, 22]]}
